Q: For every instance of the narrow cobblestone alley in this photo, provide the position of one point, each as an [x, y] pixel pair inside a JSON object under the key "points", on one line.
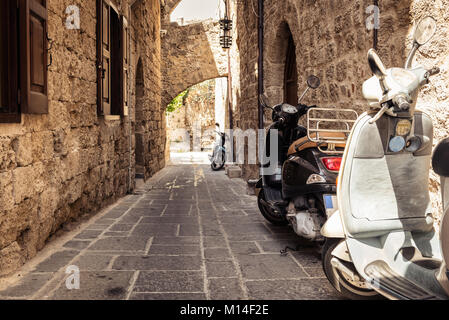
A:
{"points": [[189, 233]]}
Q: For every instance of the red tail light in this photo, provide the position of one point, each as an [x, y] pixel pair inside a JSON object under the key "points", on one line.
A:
{"points": [[332, 164]]}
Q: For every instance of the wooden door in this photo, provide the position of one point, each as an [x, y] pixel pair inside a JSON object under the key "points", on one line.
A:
{"points": [[291, 75]]}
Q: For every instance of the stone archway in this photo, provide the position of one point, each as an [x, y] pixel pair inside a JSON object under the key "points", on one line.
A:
{"points": [[192, 54], [141, 145], [170, 6]]}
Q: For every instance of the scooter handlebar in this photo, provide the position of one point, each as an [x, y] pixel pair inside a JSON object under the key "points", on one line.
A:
{"points": [[433, 71], [302, 108]]}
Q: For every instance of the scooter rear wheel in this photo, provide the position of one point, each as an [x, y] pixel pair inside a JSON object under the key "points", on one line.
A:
{"points": [[341, 282], [268, 213]]}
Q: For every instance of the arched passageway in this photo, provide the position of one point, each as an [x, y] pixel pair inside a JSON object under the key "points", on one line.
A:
{"points": [[282, 83], [192, 52], [192, 117]]}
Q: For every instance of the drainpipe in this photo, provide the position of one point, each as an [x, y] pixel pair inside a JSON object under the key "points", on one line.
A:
{"points": [[231, 118], [375, 33], [230, 104], [260, 63]]}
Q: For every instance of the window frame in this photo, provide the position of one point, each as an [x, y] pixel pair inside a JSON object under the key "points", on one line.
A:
{"points": [[27, 56], [114, 52]]}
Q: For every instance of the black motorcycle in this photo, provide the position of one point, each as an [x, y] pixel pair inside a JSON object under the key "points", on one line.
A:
{"points": [[302, 189]]}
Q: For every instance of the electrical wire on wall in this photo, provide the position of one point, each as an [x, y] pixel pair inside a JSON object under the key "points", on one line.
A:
{"points": [[252, 7]]}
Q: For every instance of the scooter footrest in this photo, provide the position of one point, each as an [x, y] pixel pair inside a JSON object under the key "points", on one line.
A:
{"points": [[390, 282]]}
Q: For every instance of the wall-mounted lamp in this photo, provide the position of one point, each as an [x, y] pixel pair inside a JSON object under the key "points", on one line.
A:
{"points": [[226, 38]]}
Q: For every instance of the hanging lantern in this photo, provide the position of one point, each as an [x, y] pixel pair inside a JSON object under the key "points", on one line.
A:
{"points": [[226, 38]]}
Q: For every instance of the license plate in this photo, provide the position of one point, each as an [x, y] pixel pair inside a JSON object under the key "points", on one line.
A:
{"points": [[331, 204]]}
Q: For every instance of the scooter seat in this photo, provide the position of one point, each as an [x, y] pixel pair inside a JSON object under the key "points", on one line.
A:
{"points": [[305, 143]]}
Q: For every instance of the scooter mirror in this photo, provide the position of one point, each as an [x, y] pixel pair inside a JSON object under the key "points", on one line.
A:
{"points": [[313, 82], [376, 64], [425, 30]]}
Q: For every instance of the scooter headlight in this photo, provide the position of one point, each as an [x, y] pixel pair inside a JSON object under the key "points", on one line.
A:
{"points": [[403, 127], [316, 178]]}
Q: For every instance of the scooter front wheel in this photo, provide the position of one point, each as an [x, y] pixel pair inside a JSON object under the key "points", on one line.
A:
{"points": [[218, 161], [354, 289], [268, 213]]}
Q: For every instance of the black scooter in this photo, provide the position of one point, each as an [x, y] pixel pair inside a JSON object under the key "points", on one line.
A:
{"points": [[303, 188]]}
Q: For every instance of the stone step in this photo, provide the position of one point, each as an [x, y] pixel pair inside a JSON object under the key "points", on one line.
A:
{"points": [[234, 172]]}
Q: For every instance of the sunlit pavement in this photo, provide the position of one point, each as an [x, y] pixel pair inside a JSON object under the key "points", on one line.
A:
{"points": [[190, 158], [189, 233]]}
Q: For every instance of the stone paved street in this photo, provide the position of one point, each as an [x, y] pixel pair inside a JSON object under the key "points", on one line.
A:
{"points": [[189, 233]]}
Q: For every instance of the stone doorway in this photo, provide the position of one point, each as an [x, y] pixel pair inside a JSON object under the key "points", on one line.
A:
{"points": [[291, 73], [140, 123]]}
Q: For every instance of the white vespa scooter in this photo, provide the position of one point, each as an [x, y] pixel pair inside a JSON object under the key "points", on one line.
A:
{"points": [[383, 240]]}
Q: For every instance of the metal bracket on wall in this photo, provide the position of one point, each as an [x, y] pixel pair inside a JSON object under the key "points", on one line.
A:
{"points": [[48, 50]]}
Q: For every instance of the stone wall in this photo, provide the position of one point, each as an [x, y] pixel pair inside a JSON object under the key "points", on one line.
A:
{"points": [[149, 115], [332, 41], [70, 162]]}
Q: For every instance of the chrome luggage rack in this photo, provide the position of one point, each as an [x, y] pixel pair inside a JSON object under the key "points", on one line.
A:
{"points": [[339, 127]]}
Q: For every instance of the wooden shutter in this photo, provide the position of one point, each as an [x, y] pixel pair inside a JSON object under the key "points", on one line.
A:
{"points": [[33, 56], [126, 62], [103, 57], [9, 104]]}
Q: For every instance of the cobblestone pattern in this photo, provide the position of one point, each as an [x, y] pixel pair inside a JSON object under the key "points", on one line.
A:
{"points": [[189, 234]]}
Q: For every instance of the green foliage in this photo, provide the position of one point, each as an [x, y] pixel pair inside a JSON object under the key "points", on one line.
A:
{"points": [[177, 102]]}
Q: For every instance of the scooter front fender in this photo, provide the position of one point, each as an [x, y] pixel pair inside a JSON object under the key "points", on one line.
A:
{"points": [[333, 228]]}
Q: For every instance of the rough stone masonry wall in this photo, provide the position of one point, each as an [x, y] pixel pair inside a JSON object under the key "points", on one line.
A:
{"points": [[149, 114], [59, 166], [332, 41]]}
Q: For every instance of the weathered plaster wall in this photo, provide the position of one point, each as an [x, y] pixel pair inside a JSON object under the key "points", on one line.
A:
{"points": [[70, 162], [332, 41]]}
